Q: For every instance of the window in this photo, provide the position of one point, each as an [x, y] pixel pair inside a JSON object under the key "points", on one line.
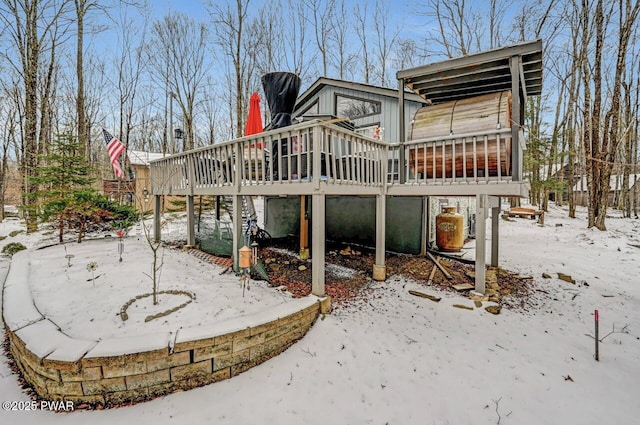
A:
{"points": [[352, 108], [313, 109]]}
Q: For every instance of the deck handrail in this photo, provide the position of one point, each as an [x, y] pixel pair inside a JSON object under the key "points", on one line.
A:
{"points": [[285, 155], [456, 158]]}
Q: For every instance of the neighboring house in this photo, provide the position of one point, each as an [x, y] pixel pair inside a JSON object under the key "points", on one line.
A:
{"points": [[559, 173], [137, 190], [139, 161], [581, 191]]}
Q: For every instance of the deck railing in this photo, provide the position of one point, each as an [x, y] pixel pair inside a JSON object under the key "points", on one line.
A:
{"points": [[464, 158], [314, 152], [311, 152]]}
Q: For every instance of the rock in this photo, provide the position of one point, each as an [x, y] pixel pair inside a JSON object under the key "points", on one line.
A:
{"points": [[478, 303], [346, 251], [423, 295], [566, 278], [502, 272], [494, 299], [477, 297], [302, 268], [464, 307], [546, 275], [493, 309], [274, 267], [558, 224], [463, 287], [490, 276]]}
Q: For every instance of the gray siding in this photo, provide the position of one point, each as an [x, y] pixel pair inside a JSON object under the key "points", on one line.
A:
{"points": [[352, 219], [387, 119]]}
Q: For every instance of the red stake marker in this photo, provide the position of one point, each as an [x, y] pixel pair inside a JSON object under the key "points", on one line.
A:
{"points": [[595, 315]]}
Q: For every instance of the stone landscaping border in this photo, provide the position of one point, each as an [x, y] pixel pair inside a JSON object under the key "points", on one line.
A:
{"points": [[128, 369]]}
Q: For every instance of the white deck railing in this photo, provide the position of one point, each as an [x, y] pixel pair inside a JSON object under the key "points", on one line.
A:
{"points": [[464, 158], [304, 153], [313, 153]]}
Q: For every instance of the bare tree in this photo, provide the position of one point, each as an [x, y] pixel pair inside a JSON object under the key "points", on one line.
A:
{"points": [[321, 19], [576, 57], [383, 43], [82, 8], [178, 57], [456, 27], [341, 55], [302, 56], [265, 43], [34, 30], [602, 133], [230, 24], [9, 116], [497, 11], [131, 61], [212, 114], [362, 30], [406, 54]]}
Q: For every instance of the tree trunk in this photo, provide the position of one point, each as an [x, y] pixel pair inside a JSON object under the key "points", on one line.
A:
{"points": [[83, 136]]}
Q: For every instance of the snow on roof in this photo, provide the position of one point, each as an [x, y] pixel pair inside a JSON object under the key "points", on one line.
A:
{"points": [[615, 182], [555, 168], [143, 158]]}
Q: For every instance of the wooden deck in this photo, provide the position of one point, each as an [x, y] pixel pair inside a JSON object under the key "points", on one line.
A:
{"points": [[320, 159], [314, 156]]}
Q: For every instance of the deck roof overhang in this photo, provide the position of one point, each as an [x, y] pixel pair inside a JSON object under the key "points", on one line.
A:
{"points": [[477, 74]]}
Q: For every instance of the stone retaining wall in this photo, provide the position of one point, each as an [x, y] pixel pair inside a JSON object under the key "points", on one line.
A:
{"points": [[192, 362], [117, 370]]}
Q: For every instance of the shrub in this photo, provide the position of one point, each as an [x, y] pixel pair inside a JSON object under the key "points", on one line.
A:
{"points": [[12, 248]]}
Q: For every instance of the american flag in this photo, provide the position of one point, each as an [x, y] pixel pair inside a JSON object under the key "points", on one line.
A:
{"points": [[115, 148]]}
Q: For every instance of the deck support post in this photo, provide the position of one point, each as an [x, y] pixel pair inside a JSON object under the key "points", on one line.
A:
{"points": [[157, 212], [483, 203], [379, 268], [304, 229], [481, 242], [191, 225], [402, 167], [517, 113], [317, 243], [495, 223], [236, 221]]}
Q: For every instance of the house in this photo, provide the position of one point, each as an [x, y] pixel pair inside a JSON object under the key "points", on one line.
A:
{"points": [[477, 154], [136, 190], [581, 191], [372, 112]]}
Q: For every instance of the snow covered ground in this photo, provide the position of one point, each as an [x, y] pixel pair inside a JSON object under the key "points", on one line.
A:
{"points": [[400, 359]]}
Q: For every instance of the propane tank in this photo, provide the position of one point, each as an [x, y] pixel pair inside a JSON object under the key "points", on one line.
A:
{"points": [[449, 230]]}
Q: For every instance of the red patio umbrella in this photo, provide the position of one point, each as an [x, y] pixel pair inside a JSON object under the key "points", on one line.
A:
{"points": [[254, 119]]}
